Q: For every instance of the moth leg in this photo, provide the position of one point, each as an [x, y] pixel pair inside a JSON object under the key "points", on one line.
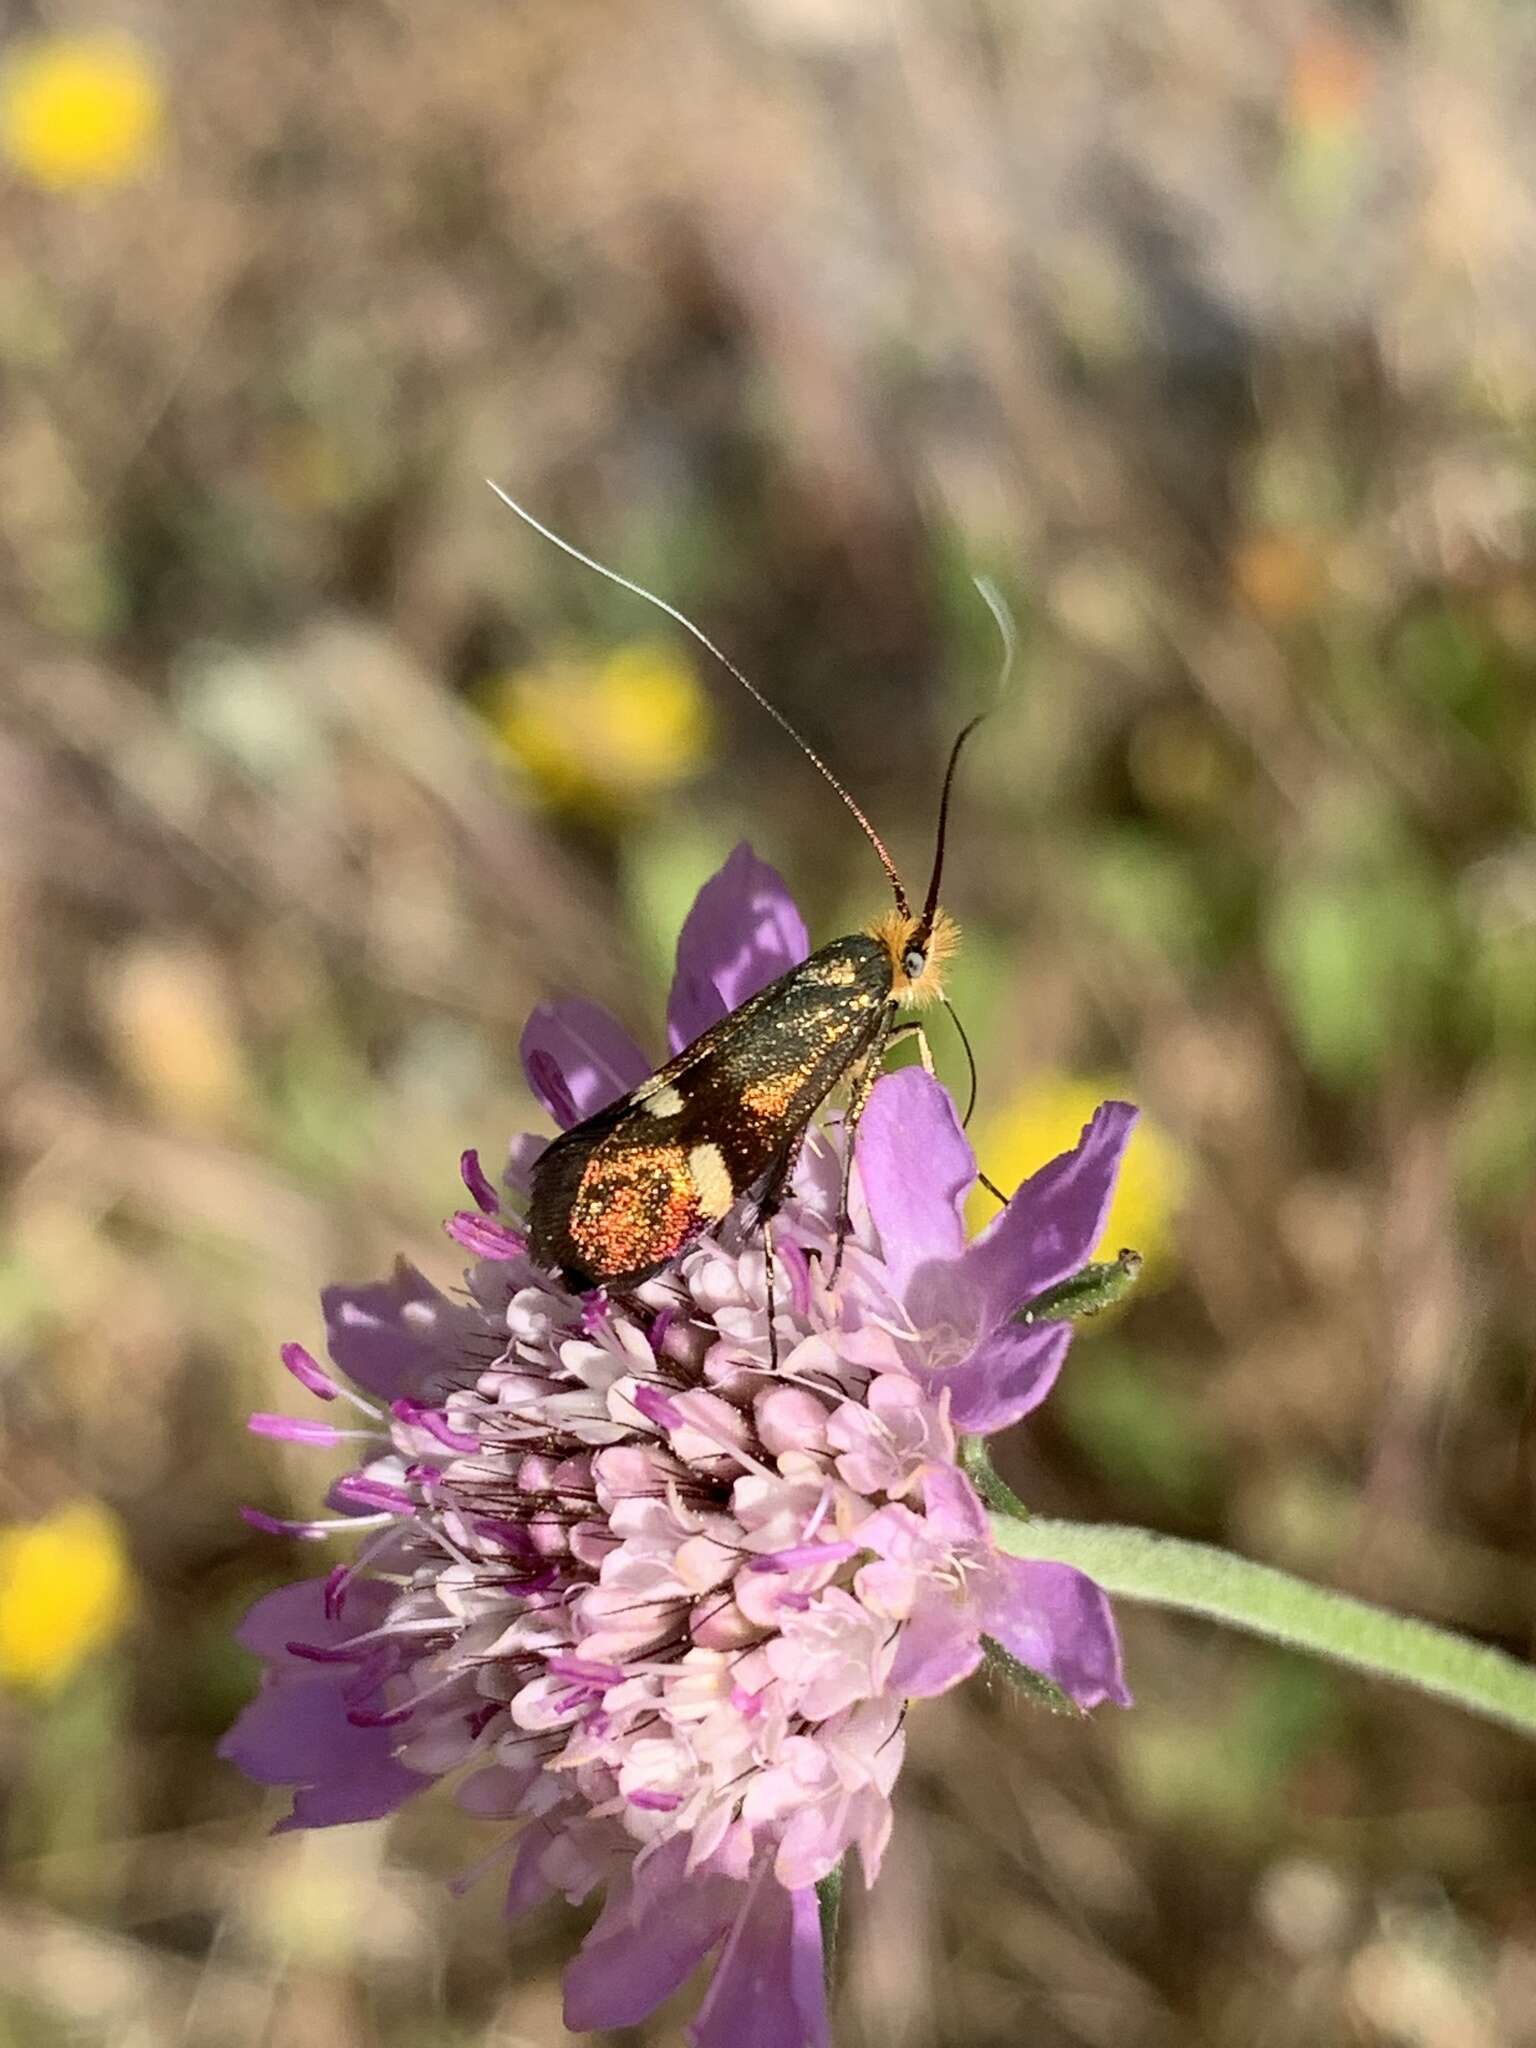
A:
{"points": [[924, 1049], [865, 1075], [773, 1324], [769, 1202]]}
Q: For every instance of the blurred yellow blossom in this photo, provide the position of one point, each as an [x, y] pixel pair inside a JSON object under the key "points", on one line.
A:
{"points": [[1046, 1116], [177, 1033], [599, 736], [66, 1589], [79, 110]]}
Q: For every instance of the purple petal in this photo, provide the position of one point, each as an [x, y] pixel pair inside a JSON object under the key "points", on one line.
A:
{"points": [[485, 1236], [742, 932], [295, 1429], [524, 1153], [307, 1370], [497, 1792], [292, 1734], [1009, 1373], [916, 1168], [547, 1081], [358, 1493], [296, 1731], [800, 1555], [655, 1928], [297, 1613], [578, 1059], [529, 1883], [952, 1507], [1055, 1619], [369, 1794], [392, 1336], [768, 1989], [940, 1645], [474, 1177], [299, 1734], [1054, 1223], [657, 1407]]}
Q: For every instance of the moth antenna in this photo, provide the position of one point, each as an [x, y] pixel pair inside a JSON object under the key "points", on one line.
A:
{"points": [[1002, 614], [773, 711], [970, 1060], [995, 603]]}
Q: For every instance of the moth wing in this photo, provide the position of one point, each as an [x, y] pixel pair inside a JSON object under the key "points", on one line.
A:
{"points": [[613, 1198], [617, 1196]]}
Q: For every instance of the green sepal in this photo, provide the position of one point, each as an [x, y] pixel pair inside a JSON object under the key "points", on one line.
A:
{"points": [[1084, 1293], [1045, 1692], [829, 1905], [997, 1493]]}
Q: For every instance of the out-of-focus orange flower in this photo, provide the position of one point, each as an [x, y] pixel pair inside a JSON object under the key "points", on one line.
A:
{"points": [[177, 1035], [1281, 575], [1330, 78], [82, 110]]}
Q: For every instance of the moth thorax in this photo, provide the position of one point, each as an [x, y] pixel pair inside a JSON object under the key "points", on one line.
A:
{"points": [[917, 964]]}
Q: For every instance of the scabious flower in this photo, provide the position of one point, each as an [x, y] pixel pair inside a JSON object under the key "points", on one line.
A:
{"points": [[656, 1605]]}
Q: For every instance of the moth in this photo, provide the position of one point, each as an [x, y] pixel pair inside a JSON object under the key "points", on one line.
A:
{"points": [[620, 1195]]}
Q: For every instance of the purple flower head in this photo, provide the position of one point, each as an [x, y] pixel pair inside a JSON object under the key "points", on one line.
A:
{"points": [[655, 1602]]}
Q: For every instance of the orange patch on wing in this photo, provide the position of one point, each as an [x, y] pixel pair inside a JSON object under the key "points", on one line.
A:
{"points": [[771, 1097], [634, 1209]]}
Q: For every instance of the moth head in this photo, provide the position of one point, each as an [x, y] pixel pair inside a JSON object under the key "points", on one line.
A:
{"points": [[917, 950]]}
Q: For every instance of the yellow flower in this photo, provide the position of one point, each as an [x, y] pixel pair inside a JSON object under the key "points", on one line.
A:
{"points": [[79, 110], [65, 1591], [599, 736], [1046, 1117], [651, 715]]}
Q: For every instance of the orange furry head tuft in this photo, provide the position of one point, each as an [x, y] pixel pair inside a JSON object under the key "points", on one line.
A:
{"points": [[896, 931]]}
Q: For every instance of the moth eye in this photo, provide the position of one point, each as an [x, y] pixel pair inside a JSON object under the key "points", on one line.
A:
{"points": [[913, 961]]}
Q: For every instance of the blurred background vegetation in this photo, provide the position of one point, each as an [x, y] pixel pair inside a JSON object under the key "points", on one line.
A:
{"points": [[1210, 332]]}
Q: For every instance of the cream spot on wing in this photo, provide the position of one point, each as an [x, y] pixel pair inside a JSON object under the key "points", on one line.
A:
{"points": [[830, 974], [662, 1101], [712, 1181]]}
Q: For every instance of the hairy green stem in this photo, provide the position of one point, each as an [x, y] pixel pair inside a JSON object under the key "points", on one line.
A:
{"points": [[1196, 1578]]}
